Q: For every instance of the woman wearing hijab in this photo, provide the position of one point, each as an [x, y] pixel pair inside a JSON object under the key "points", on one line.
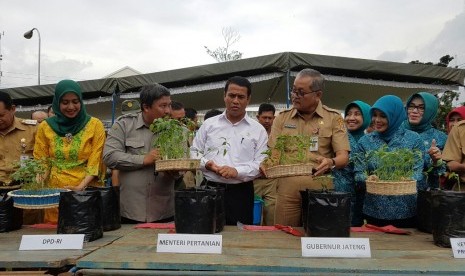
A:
{"points": [[455, 116], [73, 142], [422, 109], [387, 115], [357, 119]]}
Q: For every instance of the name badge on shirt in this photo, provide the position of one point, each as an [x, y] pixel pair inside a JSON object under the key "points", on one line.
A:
{"points": [[313, 143], [290, 126]]}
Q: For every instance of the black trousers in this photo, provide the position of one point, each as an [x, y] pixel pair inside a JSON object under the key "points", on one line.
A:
{"points": [[238, 201]]}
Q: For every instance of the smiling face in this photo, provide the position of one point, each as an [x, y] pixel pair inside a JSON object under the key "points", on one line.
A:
{"points": [[353, 119], [70, 105], [236, 100], [415, 110], [380, 121]]}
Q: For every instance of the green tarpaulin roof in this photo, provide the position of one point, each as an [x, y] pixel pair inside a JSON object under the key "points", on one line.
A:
{"points": [[201, 87]]}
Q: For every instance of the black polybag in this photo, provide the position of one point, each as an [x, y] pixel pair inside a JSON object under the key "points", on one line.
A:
{"points": [[425, 210], [81, 213], [111, 207], [304, 205], [448, 217], [194, 211], [328, 214], [11, 218], [220, 213]]}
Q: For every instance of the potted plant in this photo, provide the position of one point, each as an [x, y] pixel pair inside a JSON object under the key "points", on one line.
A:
{"points": [[289, 157], [34, 192], [394, 172], [326, 213], [172, 140]]}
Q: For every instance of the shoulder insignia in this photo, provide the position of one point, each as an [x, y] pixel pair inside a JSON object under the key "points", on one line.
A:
{"points": [[284, 111], [331, 109], [29, 122], [340, 124], [129, 115]]}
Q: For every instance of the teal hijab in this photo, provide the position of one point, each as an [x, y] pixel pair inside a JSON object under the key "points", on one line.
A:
{"points": [[394, 110], [365, 110], [61, 124], [431, 111]]}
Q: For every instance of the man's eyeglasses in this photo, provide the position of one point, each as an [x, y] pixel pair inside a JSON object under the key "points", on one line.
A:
{"points": [[301, 93], [419, 108]]}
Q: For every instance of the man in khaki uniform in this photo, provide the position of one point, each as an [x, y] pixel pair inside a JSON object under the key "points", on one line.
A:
{"points": [[12, 131], [330, 149], [454, 150], [127, 107], [145, 196], [263, 187]]}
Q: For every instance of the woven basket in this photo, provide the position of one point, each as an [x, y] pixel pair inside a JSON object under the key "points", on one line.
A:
{"points": [[288, 170], [36, 199], [408, 187], [177, 165]]}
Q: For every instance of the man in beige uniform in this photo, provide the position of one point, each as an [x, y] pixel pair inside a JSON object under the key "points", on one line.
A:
{"points": [[263, 187], [12, 131], [454, 150], [145, 196], [308, 116]]}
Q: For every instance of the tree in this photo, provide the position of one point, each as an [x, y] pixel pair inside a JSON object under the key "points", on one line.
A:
{"points": [[221, 54], [445, 98]]}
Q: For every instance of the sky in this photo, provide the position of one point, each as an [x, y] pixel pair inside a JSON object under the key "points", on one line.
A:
{"points": [[86, 39]]}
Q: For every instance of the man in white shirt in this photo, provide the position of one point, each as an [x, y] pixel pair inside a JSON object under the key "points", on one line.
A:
{"points": [[231, 146]]}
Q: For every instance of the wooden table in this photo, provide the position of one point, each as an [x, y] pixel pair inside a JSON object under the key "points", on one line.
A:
{"points": [[269, 253], [12, 259]]}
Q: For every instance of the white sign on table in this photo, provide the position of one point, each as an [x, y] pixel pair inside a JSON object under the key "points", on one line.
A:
{"points": [[336, 247], [52, 242], [458, 247], [190, 243]]}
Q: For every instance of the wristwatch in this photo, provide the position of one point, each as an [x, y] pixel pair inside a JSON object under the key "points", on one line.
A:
{"points": [[334, 164]]}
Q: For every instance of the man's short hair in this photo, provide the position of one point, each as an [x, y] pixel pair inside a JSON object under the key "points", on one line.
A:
{"points": [[176, 105], [318, 82], [151, 93], [265, 107], [241, 81], [6, 99], [190, 113], [212, 113]]}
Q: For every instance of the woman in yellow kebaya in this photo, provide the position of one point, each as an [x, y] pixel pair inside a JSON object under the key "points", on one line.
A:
{"points": [[73, 142]]}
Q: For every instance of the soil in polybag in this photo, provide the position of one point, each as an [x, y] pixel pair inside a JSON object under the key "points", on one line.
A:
{"points": [[11, 218], [219, 207], [194, 211], [328, 214], [448, 217], [111, 207], [81, 213]]}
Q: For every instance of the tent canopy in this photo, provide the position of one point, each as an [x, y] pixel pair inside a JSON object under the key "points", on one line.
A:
{"points": [[201, 87]]}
